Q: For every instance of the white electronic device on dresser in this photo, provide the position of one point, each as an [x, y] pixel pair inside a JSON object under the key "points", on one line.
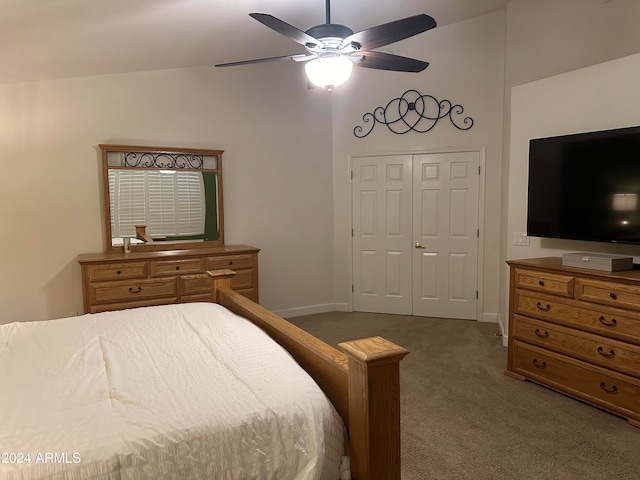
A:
{"points": [[577, 331], [164, 229]]}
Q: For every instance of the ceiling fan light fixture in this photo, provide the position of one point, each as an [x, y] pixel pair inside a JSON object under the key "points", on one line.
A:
{"points": [[329, 71], [333, 49]]}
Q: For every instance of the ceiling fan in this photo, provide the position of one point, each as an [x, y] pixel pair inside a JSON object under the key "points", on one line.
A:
{"points": [[333, 49]]}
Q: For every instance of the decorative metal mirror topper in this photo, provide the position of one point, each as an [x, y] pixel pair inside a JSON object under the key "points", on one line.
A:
{"points": [[409, 113]]}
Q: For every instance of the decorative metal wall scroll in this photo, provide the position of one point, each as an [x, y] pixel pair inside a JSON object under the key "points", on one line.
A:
{"points": [[161, 160], [410, 112]]}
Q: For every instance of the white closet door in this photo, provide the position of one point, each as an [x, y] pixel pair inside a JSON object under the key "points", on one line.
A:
{"points": [[415, 234], [445, 219], [382, 230]]}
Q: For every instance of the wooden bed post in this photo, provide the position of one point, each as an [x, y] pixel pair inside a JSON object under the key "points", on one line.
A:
{"points": [[363, 383], [220, 279], [374, 408]]}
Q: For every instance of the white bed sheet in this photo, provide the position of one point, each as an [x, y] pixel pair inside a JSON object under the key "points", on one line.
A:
{"points": [[189, 391]]}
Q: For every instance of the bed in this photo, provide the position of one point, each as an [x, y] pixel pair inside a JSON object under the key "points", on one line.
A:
{"points": [[195, 391]]}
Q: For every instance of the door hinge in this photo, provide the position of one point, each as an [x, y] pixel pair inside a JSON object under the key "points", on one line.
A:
{"points": [[478, 233], [353, 289], [351, 174], [477, 296], [478, 170], [352, 232]]}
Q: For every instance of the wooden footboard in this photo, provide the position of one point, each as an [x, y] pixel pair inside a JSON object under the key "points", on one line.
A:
{"points": [[362, 382]]}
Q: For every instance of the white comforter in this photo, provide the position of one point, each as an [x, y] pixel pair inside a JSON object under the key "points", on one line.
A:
{"points": [[188, 391]]}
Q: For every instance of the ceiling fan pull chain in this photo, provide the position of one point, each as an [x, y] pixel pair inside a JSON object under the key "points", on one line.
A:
{"points": [[328, 11]]}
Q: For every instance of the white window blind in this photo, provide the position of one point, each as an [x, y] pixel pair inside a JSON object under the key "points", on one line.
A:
{"points": [[169, 203]]}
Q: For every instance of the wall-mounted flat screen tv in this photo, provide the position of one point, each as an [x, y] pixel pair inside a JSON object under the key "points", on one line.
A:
{"points": [[585, 186]]}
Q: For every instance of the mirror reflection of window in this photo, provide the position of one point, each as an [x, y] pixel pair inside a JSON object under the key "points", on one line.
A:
{"points": [[169, 202]]}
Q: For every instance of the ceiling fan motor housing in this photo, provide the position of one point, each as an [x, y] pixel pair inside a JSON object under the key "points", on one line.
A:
{"points": [[333, 45], [330, 32]]}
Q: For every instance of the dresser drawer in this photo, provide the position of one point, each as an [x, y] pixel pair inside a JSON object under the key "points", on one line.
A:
{"points": [[544, 282], [200, 297], [197, 288], [115, 292], [148, 302], [608, 293], [117, 271], [619, 356], [195, 284], [176, 267], [191, 284], [602, 321], [542, 306], [232, 262], [243, 279], [613, 391]]}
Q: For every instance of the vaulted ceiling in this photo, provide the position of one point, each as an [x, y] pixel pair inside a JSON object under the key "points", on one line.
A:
{"points": [[47, 39]]}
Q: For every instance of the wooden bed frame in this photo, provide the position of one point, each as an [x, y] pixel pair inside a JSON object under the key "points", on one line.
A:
{"points": [[362, 383]]}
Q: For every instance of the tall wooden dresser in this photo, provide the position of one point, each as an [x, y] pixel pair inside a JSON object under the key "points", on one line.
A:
{"points": [[577, 331], [117, 280]]}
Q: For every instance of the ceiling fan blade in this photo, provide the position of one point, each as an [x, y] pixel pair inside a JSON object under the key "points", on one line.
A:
{"points": [[391, 32], [388, 61], [285, 29], [297, 58]]}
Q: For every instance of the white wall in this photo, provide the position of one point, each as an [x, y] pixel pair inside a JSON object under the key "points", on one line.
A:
{"points": [[467, 67], [593, 98], [547, 38], [277, 174], [286, 185], [568, 111]]}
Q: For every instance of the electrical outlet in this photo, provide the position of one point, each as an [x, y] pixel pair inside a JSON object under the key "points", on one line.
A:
{"points": [[520, 238]]}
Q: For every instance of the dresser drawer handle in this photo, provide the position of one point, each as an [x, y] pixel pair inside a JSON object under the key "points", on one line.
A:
{"points": [[541, 283], [542, 335], [230, 262], [178, 267], [612, 323], [611, 390], [611, 353], [118, 272], [613, 296], [538, 364], [546, 308], [135, 290]]}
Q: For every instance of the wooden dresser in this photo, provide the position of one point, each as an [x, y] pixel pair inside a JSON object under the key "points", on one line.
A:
{"points": [[114, 281], [577, 331]]}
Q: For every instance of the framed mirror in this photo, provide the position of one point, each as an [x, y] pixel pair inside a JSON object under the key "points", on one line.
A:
{"points": [[161, 198]]}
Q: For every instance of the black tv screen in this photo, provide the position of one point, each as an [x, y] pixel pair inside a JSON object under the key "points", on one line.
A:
{"points": [[585, 186]]}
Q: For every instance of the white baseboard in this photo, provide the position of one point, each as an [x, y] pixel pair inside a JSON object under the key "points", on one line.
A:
{"points": [[309, 310], [505, 338], [495, 318], [489, 318], [343, 307]]}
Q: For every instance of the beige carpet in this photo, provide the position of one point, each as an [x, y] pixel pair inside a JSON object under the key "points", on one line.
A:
{"points": [[463, 419]]}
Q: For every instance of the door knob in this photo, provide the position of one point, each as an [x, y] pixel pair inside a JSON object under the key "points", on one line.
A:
{"points": [[417, 245]]}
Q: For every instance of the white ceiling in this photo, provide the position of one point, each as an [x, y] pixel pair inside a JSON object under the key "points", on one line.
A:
{"points": [[47, 39]]}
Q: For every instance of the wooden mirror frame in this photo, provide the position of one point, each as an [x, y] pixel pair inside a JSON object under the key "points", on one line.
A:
{"points": [[170, 245]]}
